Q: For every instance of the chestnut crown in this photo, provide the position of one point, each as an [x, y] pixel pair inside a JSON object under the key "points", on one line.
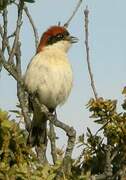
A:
{"points": [[53, 35]]}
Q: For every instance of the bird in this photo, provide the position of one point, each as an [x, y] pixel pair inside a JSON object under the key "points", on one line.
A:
{"points": [[49, 77]]}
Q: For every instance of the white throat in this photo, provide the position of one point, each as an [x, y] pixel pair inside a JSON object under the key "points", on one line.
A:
{"points": [[60, 45]]}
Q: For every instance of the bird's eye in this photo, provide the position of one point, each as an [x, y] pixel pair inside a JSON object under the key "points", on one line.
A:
{"points": [[54, 39], [60, 36]]}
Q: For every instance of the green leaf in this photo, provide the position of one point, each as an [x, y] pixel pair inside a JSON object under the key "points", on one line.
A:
{"points": [[89, 131], [14, 111], [6, 124], [51, 177], [100, 121], [3, 4], [29, 1], [124, 91], [81, 138]]}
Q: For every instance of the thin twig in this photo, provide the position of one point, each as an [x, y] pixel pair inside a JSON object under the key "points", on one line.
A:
{"points": [[108, 167], [73, 14], [86, 12], [52, 137], [1, 31], [104, 125], [33, 26], [10, 68], [4, 40], [19, 23], [21, 94], [23, 99], [114, 154], [18, 58], [11, 35]]}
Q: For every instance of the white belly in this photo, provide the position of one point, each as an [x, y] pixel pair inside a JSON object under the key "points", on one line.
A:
{"points": [[50, 77]]}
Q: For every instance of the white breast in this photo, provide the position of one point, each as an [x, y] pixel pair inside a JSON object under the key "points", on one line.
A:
{"points": [[50, 75]]}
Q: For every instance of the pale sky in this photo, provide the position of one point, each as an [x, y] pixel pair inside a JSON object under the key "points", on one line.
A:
{"points": [[107, 26]]}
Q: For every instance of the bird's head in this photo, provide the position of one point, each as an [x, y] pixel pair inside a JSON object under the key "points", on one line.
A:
{"points": [[56, 36]]}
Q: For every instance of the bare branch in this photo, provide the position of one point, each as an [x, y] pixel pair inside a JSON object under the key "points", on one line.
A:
{"points": [[4, 42], [52, 137], [19, 23], [73, 14], [33, 26], [23, 99], [71, 133], [41, 154], [86, 12], [108, 167], [114, 154], [21, 94], [10, 68], [18, 58], [11, 35], [1, 31]]}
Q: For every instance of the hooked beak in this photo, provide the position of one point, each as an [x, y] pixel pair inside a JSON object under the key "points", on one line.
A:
{"points": [[72, 39]]}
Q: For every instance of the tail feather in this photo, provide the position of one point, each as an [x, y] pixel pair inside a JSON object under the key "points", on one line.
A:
{"points": [[38, 133]]}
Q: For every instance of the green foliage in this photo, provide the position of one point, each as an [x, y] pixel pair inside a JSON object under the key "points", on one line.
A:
{"points": [[113, 123], [14, 156], [18, 161], [112, 134], [124, 103], [3, 4]]}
